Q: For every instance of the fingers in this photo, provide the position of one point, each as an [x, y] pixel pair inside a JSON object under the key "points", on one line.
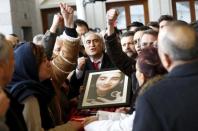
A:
{"points": [[112, 15], [66, 8], [89, 120], [69, 9], [81, 63]]}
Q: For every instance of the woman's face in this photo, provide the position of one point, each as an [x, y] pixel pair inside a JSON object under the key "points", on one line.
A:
{"points": [[45, 70], [108, 81], [139, 75]]}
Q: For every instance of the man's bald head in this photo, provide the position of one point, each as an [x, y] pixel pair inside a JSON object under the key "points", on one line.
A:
{"points": [[179, 41]]}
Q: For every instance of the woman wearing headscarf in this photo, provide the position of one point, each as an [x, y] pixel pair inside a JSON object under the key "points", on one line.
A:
{"points": [[31, 68]]}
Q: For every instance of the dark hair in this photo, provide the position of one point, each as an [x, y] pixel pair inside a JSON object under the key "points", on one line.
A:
{"points": [[92, 91], [181, 22], [149, 62], [38, 52], [136, 24], [79, 22], [166, 18], [194, 25], [151, 32], [127, 34], [15, 35], [142, 28], [153, 24]]}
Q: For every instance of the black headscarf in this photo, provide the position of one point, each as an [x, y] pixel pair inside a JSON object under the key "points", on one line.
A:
{"points": [[25, 81]]}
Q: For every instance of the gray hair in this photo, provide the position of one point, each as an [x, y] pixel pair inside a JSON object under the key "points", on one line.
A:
{"points": [[38, 39], [180, 42], [95, 33], [5, 47]]}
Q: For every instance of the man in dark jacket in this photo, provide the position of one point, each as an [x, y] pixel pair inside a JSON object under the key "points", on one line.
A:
{"points": [[171, 104], [97, 59]]}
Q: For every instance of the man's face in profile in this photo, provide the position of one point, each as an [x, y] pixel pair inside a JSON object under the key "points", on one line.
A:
{"points": [[108, 81]]}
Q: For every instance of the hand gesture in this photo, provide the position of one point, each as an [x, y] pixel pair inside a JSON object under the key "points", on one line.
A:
{"points": [[4, 103], [68, 14], [81, 63], [74, 125], [112, 16], [90, 119], [56, 22], [122, 109]]}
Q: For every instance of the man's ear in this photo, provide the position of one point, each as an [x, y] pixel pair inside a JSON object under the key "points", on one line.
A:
{"points": [[143, 78], [167, 62]]}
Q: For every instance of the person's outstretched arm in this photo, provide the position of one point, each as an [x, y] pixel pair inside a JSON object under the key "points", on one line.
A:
{"points": [[113, 46]]}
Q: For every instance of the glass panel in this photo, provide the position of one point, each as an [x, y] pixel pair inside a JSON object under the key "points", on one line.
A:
{"points": [[137, 13], [121, 20], [183, 11], [196, 9]]}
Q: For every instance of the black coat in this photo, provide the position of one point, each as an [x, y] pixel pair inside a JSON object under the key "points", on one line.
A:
{"points": [[171, 104], [106, 63]]}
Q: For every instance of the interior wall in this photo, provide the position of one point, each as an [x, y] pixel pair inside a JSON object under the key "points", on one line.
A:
{"points": [[24, 16], [6, 19]]}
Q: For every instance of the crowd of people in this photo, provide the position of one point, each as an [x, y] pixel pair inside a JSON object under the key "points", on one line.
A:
{"points": [[40, 81]]}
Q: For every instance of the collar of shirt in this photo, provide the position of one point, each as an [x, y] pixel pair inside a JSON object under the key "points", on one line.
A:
{"points": [[99, 60]]}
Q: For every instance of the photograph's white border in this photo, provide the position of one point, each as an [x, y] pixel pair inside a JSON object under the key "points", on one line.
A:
{"points": [[90, 77]]}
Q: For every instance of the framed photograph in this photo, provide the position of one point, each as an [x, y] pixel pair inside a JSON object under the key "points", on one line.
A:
{"points": [[107, 88]]}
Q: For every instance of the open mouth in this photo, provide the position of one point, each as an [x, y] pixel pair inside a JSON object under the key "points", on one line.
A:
{"points": [[93, 49]]}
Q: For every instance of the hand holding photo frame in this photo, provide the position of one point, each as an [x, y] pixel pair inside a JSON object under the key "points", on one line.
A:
{"points": [[109, 88]]}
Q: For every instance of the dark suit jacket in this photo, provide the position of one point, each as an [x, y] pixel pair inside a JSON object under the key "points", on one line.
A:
{"points": [[106, 63], [118, 57], [171, 104]]}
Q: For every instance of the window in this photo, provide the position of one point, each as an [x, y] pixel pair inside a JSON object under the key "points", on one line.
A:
{"points": [[121, 21], [130, 11], [47, 18], [186, 10], [137, 13]]}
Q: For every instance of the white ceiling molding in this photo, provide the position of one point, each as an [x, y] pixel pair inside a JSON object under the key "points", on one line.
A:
{"points": [[54, 3]]}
